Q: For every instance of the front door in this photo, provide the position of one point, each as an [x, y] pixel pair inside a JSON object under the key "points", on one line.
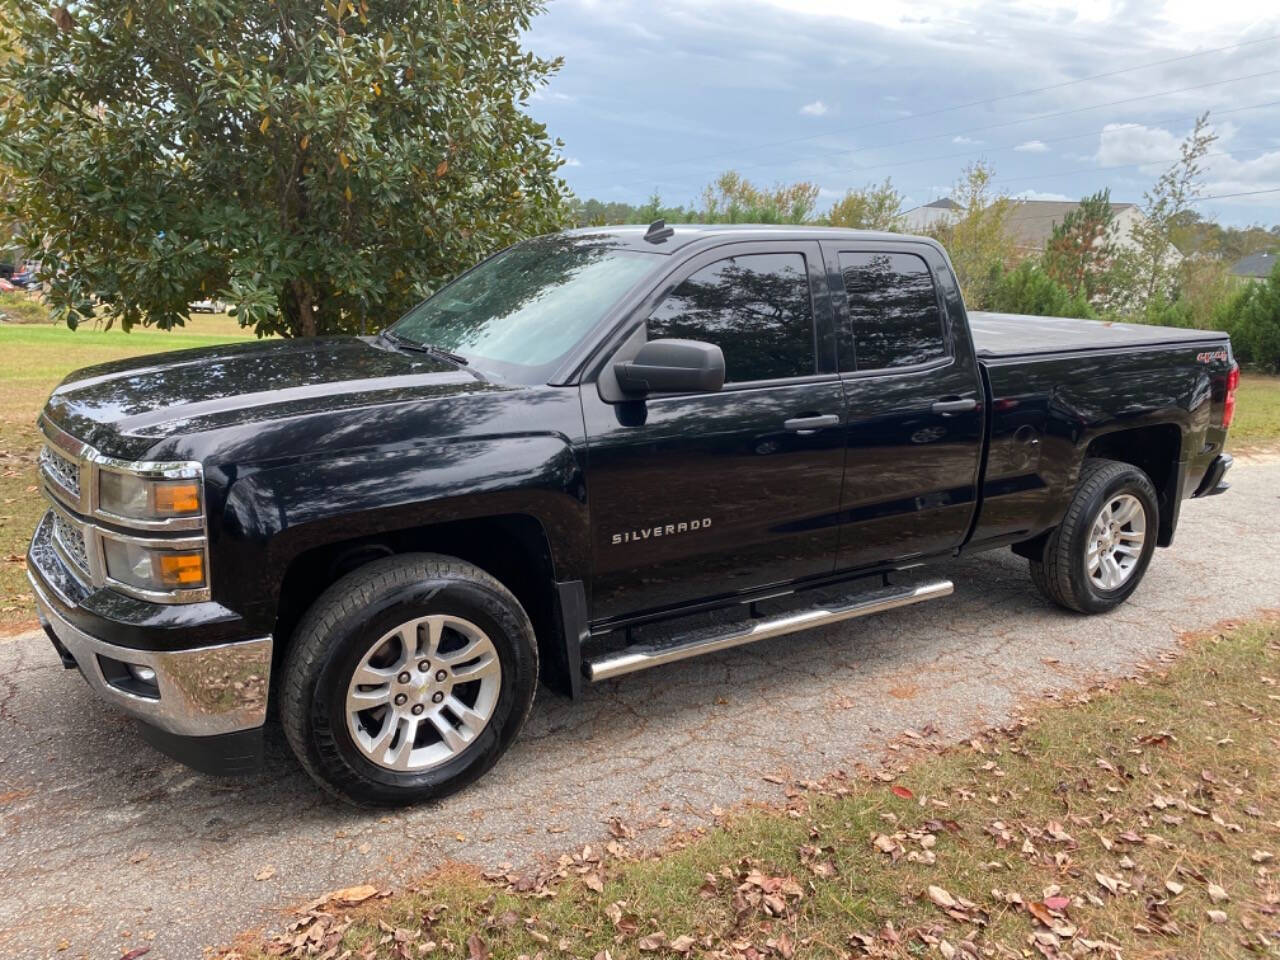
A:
{"points": [[711, 494]]}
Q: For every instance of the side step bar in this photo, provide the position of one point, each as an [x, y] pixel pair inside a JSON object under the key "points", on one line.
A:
{"points": [[641, 656]]}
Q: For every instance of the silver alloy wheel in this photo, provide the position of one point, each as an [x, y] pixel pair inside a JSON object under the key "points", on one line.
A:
{"points": [[1115, 541], [423, 693]]}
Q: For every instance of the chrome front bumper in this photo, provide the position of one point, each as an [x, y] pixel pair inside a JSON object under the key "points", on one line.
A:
{"points": [[201, 692]]}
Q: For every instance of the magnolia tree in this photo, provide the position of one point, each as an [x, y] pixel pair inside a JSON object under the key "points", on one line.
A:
{"points": [[319, 165]]}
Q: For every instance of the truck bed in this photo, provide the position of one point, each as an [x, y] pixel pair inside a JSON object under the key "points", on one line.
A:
{"points": [[997, 335]]}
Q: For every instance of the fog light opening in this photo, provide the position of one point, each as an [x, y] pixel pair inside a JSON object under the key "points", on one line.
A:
{"points": [[133, 678]]}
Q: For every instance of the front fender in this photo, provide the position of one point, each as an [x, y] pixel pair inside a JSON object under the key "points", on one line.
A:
{"points": [[274, 513]]}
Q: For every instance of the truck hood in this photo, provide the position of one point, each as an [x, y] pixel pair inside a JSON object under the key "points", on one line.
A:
{"points": [[126, 406]]}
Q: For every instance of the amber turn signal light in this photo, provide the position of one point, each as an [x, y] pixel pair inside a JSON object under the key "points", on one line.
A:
{"points": [[181, 569], [177, 498]]}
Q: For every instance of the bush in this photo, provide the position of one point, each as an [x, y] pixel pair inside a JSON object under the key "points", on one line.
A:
{"points": [[1252, 318], [20, 308], [1029, 289]]}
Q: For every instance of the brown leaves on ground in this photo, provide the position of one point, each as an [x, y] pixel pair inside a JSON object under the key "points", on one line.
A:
{"points": [[1140, 825], [319, 927]]}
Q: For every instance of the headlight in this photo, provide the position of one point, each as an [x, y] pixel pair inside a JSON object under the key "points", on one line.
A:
{"points": [[138, 498], [154, 568]]}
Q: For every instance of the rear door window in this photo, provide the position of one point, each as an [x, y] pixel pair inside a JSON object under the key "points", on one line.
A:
{"points": [[893, 309], [756, 308]]}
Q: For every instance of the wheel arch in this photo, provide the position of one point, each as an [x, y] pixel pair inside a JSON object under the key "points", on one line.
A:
{"points": [[514, 548], [1156, 450]]}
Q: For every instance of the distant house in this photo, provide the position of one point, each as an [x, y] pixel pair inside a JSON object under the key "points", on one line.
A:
{"points": [[1031, 224], [1256, 266], [920, 219]]}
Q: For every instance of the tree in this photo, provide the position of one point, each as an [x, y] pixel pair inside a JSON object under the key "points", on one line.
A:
{"points": [[1029, 289], [1146, 274], [870, 208], [1253, 320], [977, 238], [318, 165], [733, 199], [1081, 251]]}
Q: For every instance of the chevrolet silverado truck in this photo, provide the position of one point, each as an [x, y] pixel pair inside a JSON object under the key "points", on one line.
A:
{"points": [[593, 453]]}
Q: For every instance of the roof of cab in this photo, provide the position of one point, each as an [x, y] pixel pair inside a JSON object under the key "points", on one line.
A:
{"points": [[633, 236]]}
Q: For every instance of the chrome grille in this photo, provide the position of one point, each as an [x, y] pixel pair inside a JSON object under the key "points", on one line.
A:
{"points": [[71, 539], [65, 473]]}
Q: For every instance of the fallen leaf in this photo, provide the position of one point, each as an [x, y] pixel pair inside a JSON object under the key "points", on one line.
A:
{"points": [[683, 943], [135, 953], [1217, 894], [942, 898], [476, 949], [903, 792], [1217, 916], [349, 896], [1174, 887], [266, 873], [1041, 912], [653, 942]]}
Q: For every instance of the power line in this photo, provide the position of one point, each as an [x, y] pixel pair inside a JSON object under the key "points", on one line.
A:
{"points": [[1009, 123], [1228, 196], [976, 103], [1113, 166], [965, 154]]}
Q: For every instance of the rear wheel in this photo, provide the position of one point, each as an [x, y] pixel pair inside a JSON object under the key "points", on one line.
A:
{"points": [[1099, 553], [408, 679]]}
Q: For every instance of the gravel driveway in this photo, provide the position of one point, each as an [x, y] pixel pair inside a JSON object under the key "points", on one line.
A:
{"points": [[106, 846]]}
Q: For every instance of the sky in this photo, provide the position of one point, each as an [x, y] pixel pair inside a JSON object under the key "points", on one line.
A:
{"points": [[1062, 99]]}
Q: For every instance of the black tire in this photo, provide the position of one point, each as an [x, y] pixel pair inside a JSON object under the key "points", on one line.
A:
{"points": [[1060, 574], [338, 631]]}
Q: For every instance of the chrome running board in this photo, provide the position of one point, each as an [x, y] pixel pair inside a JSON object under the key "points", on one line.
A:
{"points": [[642, 656]]}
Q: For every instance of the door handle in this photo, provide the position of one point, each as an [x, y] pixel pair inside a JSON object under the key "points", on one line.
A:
{"points": [[807, 425], [953, 405]]}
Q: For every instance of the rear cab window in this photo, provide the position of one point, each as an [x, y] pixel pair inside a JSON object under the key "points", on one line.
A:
{"points": [[894, 311]]}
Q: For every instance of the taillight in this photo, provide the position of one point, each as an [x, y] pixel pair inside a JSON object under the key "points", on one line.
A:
{"points": [[1229, 408]]}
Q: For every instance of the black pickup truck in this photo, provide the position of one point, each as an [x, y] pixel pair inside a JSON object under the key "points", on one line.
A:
{"points": [[595, 452]]}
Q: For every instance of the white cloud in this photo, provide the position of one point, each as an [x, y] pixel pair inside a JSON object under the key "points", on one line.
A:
{"points": [[1032, 146], [572, 162], [1122, 144], [1153, 149], [815, 109], [1039, 195], [550, 95], [965, 140]]}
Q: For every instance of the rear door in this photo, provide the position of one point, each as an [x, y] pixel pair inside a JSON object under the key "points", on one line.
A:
{"points": [[709, 494], [913, 403]]}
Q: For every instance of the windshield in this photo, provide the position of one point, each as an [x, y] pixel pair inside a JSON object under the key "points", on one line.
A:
{"points": [[528, 306]]}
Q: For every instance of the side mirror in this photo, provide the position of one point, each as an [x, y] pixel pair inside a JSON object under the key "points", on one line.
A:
{"points": [[672, 366]]}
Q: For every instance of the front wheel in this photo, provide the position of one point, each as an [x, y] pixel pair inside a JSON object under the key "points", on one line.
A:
{"points": [[408, 679], [1099, 553]]}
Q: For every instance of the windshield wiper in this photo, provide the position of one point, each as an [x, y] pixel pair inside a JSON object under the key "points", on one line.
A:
{"points": [[404, 343]]}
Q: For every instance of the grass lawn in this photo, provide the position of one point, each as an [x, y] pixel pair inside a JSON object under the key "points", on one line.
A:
{"points": [[33, 359], [1257, 422], [1139, 820]]}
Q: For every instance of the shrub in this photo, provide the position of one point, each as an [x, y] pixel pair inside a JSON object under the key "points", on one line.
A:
{"points": [[1252, 318], [20, 308], [1029, 289]]}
